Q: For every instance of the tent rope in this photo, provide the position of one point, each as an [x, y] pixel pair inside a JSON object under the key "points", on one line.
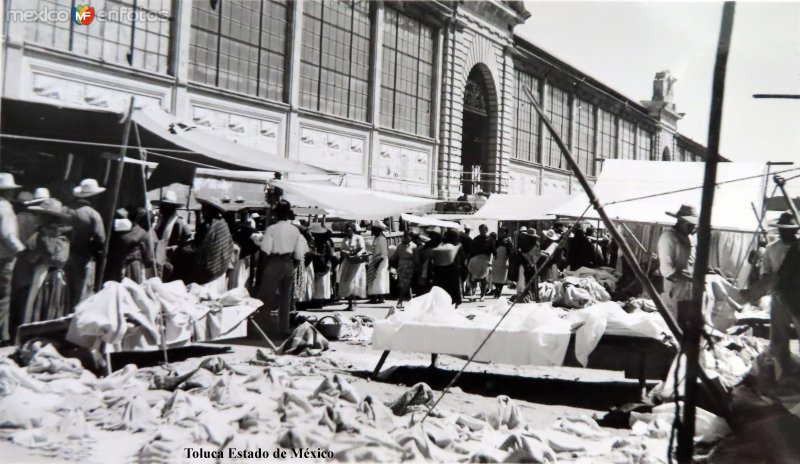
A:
{"points": [[688, 189], [546, 264]]}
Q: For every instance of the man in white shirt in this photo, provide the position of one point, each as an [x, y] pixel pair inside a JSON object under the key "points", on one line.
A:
{"points": [[283, 248]]}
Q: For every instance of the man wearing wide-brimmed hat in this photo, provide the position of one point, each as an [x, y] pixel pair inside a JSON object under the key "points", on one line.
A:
{"points": [[676, 252], [10, 246], [172, 233], [284, 247], [781, 314], [88, 240]]}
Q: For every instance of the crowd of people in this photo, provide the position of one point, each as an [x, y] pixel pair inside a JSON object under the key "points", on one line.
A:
{"points": [[53, 255]]}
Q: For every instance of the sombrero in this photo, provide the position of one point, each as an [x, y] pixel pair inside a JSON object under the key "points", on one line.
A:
{"points": [[687, 213]]}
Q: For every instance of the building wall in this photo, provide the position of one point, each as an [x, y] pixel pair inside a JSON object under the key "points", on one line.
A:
{"points": [[466, 35]]}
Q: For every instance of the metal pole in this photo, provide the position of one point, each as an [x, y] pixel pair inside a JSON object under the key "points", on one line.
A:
{"points": [[112, 205], [713, 388], [691, 313]]}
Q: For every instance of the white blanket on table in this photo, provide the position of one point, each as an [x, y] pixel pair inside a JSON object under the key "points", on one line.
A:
{"points": [[105, 316], [534, 333]]}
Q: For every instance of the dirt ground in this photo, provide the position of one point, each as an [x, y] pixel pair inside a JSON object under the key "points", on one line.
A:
{"points": [[542, 394]]}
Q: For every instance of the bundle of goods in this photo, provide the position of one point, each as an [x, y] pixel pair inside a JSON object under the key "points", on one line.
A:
{"points": [[127, 316], [218, 408], [573, 292]]}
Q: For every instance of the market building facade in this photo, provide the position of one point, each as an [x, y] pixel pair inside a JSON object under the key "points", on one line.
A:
{"points": [[422, 98]]}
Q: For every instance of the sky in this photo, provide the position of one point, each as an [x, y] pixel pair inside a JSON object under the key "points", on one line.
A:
{"points": [[623, 44]]}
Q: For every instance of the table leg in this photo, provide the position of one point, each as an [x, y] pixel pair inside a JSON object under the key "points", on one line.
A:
{"points": [[263, 335], [642, 375], [380, 364], [434, 357]]}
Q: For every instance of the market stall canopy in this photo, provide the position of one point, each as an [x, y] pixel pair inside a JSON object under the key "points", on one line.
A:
{"points": [[628, 180], [504, 207], [430, 221], [209, 150], [50, 127], [351, 202]]}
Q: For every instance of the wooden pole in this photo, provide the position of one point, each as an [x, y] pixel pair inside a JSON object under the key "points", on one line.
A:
{"points": [[112, 205], [691, 313], [612, 229], [713, 388]]}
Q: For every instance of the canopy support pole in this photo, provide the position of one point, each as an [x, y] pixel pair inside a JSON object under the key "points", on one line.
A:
{"points": [[112, 205], [691, 312], [713, 388]]}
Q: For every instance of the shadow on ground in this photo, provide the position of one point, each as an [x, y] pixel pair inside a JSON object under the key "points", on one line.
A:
{"points": [[587, 395]]}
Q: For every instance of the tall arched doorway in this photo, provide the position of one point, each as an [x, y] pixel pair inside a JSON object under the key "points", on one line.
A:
{"points": [[476, 138]]}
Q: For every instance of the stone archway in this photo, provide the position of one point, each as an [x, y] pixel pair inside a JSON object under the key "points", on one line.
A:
{"points": [[665, 155], [479, 132]]}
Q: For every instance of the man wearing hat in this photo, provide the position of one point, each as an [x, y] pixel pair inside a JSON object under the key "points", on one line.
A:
{"points": [[284, 247], [10, 246], [777, 263], [88, 240], [172, 233], [676, 252]]}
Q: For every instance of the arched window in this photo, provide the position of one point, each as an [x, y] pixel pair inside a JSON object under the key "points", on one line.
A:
{"points": [[665, 155]]}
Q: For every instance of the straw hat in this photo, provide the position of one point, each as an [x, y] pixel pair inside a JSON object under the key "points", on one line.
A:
{"points": [[785, 221], [168, 198], [318, 229], [687, 213], [212, 203], [552, 235], [123, 225], [24, 197], [88, 188], [41, 193], [50, 207], [7, 181]]}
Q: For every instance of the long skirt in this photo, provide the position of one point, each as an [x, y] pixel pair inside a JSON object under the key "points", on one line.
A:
{"points": [[352, 280], [378, 277], [479, 267], [303, 283], [405, 272], [322, 286], [448, 278], [48, 295], [135, 271], [500, 266]]}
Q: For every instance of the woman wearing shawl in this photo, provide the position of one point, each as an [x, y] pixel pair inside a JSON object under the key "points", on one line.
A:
{"points": [[446, 263], [323, 259], [129, 252], [403, 261], [353, 275], [378, 269], [502, 252], [49, 251], [528, 255], [304, 273]]}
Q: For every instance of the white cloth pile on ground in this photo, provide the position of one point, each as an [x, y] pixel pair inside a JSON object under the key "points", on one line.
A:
{"points": [[127, 316], [606, 276], [61, 411], [532, 333], [729, 359]]}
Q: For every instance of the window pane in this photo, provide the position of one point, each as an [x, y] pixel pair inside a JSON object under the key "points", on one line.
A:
{"points": [[334, 71], [526, 122], [606, 134], [240, 46], [557, 109]]}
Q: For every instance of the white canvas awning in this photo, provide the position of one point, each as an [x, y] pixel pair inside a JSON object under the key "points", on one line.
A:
{"points": [[625, 179], [503, 207], [430, 221], [351, 202], [206, 149]]}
